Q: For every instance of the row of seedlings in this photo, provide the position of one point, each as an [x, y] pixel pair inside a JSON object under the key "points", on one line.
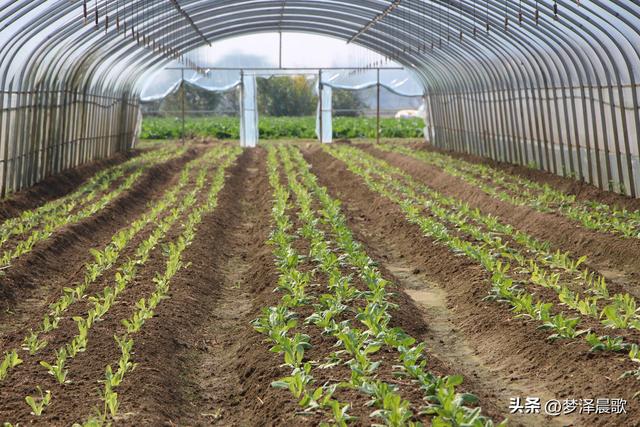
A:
{"points": [[576, 286], [367, 346], [103, 260], [444, 403], [279, 322], [41, 229], [86, 193], [520, 191], [126, 274], [145, 308]]}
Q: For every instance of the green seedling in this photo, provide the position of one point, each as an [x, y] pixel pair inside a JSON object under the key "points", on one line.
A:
{"points": [[33, 343], [606, 343], [57, 370], [10, 361], [39, 403]]}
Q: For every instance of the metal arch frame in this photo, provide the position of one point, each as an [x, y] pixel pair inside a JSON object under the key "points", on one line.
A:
{"points": [[87, 56], [473, 85], [116, 51], [547, 66], [569, 74], [507, 64], [280, 3]]}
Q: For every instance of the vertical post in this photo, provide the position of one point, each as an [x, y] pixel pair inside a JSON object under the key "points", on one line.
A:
{"points": [[321, 131], [249, 123], [280, 52], [7, 137], [242, 113], [378, 108], [183, 96]]}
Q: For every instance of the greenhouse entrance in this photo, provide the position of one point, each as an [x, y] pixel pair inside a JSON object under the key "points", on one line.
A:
{"points": [[366, 103]]}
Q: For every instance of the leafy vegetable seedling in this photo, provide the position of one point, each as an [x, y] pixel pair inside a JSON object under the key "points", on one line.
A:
{"points": [[38, 404]]}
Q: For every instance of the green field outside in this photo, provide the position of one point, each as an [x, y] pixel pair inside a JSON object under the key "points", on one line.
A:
{"points": [[279, 127]]}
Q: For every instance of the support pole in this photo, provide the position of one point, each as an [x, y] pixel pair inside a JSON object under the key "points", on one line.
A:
{"points": [[242, 113], [249, 126], [378, 109], [183, 96], [280, 52], [321, 131]]}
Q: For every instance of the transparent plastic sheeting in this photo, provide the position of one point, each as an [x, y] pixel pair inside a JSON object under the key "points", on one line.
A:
{"points": [[560, 88], [166, 82], [400, 82]]}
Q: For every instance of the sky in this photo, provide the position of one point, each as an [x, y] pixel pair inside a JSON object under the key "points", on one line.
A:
{"points": [[299, 50]]}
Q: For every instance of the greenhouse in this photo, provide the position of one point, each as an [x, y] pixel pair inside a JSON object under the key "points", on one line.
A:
{"points": [[319, 212]]}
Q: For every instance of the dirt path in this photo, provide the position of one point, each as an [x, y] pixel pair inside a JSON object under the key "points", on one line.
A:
{"points": [[217, 375], [198, 362], [500, 357], [448, 343]]}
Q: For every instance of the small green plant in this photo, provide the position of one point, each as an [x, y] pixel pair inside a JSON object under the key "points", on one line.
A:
{"points": [[621, 313], [38, 403], [111, 404], [563, 327], [293, 349], [10, 361], [606, 343], [57, 370], [297, 382], [340, 412], [394, 410]]}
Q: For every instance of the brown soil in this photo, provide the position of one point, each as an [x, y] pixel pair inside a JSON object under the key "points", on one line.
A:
{"points": [[87, 368], [224, 366], [67, 250], [203, 362], [200, 362]]}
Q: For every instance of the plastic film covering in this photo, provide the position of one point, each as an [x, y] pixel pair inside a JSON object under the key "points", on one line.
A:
{"points": [[400, 82], [550, 83], [167, 81]]}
